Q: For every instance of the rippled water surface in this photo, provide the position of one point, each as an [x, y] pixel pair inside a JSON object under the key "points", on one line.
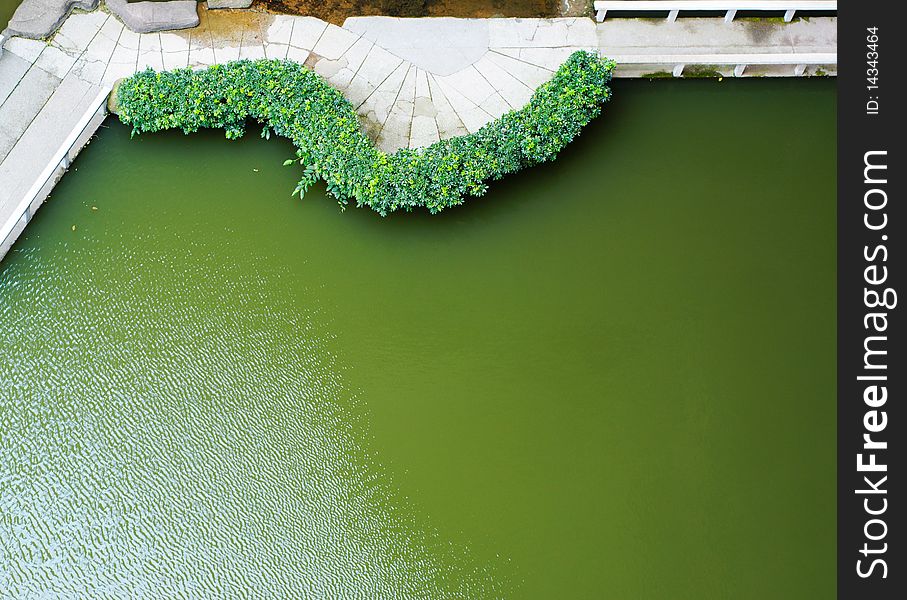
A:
{"points": [[612, 377]]}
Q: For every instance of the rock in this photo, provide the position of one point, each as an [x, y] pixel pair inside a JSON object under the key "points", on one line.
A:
{"points": [[38, 19], [229, 3], [148, 17], [112, 104]]}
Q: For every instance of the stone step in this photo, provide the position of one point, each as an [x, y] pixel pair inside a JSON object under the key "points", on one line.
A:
{"points": [[23, 104], [12, 68]]}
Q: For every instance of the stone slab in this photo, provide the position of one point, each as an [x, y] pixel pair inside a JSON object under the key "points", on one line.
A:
{"points": [[227, 52], [495, 105], [176, 60], [124, 58], [306, 32], [512, 90], [703, 36], [396, 131], [449, 123], [201, 46], [422, 90], [511, 33], [424, 132], [148, 17], [38, 19], [340, 73], [56, 61], [25, 48], [175, 49], [22, 105], [546, 58], [334, 42], [470, 83], [279, 29], [92, 65], [251, 50], [542, 33], [78, 30], [276, 51], [174, 42], [531, 75], [374, 70], [473, 117], [21, 167], [440, 45], [12, 68], [128, 39], [378, 105], [150, 54], [297, 54]]}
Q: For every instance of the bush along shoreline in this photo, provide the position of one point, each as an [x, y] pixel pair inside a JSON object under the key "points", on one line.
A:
{"points": [[298, 104]]}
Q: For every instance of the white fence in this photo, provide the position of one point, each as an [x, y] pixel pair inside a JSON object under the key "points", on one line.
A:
{"points": [[59, 162], [677, 62], [729, 7]]}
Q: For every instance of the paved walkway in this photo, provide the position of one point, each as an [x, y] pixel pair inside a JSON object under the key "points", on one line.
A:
{"points": [[44, 90], [413, 81]]}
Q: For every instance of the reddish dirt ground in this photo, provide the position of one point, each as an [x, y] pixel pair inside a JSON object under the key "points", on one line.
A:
{"points": [[335, 11]]}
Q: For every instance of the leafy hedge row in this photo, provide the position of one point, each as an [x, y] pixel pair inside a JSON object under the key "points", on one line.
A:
{"points": [[298, 104]]}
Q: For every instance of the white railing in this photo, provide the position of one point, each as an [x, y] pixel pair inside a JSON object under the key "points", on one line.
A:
{"points": [[730, 7], [678, 62], [58, 164]]}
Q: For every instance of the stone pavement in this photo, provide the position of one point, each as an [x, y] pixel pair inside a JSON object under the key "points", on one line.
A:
{"points": [[404, 102], [44, 90], [40, 18], [412, 81], [145, 17], [686, 36]]}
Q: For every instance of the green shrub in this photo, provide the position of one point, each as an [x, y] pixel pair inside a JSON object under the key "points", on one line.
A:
{"points": [[298, 104]]}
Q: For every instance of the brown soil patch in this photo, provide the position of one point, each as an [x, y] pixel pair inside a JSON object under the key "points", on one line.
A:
{"points": [[336, 11]]}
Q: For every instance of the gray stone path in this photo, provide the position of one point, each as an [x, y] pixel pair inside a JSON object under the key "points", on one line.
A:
{"points": [[413, 81], [145, 17], [44, 89]]}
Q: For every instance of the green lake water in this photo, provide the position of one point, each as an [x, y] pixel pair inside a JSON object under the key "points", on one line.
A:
{"points": [[7, 8], [611, 377]]}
